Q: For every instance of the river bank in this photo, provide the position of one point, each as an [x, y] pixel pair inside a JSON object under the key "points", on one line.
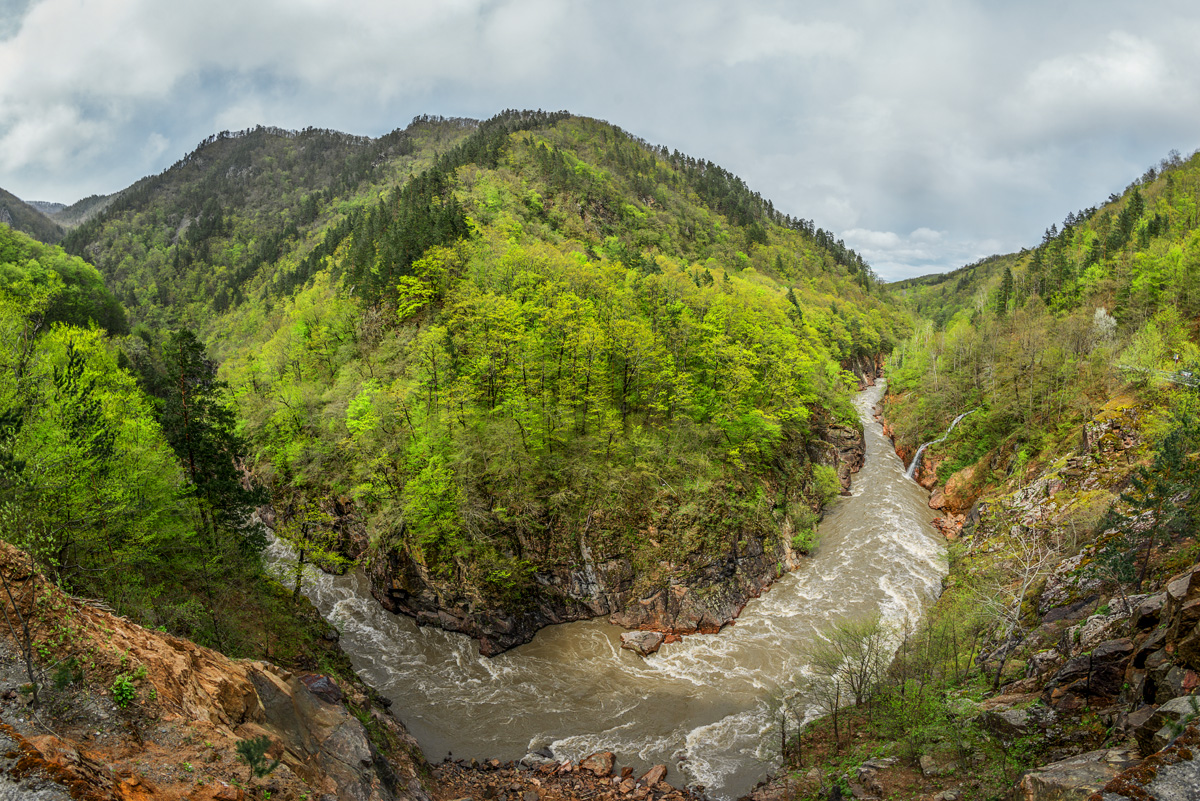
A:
{"points": [[704, 706], [1044, 677]]}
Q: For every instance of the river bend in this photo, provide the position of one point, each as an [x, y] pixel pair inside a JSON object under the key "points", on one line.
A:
{"points": [[702, 706]]}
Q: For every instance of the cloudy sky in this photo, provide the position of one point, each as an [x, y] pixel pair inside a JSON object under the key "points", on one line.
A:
{"points": [[927, 133]]}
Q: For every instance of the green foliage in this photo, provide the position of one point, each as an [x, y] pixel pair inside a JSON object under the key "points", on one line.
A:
{"points": [[569, 355], [1038, 338], [243, 216], [1160, 504], [75, 288], [805, 540], [826, 482], [67, 672], [254, 753], [27, 219], [124, 691], [480, 336]]}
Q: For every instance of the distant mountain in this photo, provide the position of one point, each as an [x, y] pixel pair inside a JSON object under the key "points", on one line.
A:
{"points": [[47, 207], [206, 227], [21, 216], [78, 212]]}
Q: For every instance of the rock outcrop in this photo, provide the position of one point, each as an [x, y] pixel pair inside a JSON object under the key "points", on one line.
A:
{"points": [[1074, 778], [699, 592], [642, 643], [189, 708]]}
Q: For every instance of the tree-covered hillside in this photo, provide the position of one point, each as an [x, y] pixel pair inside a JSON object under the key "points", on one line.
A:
{"points": [[20, 216], [118, 493], [1042, 339], [485, 342], [183, 246]]}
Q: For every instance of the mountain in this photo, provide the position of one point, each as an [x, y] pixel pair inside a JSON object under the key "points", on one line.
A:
{"points": [[81, 211], [533, 369], [20, 216], [1040, 340], [184, 245], [74, 291], [46, 207], [1049, 399]]}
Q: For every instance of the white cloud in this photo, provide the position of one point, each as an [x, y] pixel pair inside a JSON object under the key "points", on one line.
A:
{"points": [[893, 256], [758, 37], [969, 125]]}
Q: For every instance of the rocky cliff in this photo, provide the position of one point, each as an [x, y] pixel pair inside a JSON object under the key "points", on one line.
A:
{"points": [[127, 713], [1086, 685], [699, 587]]}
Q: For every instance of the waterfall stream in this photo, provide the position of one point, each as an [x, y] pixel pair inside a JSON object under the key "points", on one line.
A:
{"points": [[702, 706], [916, 462]]}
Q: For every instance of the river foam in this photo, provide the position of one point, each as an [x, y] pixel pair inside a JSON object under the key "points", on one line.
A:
{"points": [[704, 705]]}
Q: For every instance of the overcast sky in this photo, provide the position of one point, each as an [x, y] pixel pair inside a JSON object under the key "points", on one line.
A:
{"points": [[927, 134]]}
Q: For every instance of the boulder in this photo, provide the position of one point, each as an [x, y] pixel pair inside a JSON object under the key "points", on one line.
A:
{"points": [[1074, 778], [323, 687], [1172, 775], [1043, 663], [868, 774], [642, 643], [937, 500], [1098, 674], [601, 764], [1006, 723], [1159, 729], [962, 489], [1149, 612], [934, 765], [653, 776], [1185, 631]]}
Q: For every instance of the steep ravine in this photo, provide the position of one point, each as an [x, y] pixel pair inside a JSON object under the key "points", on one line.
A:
{"points": [[702, 705], [699, 592], [1098, 681]]}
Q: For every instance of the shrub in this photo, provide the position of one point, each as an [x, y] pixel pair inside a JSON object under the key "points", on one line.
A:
{"points": [[123, 691], [254, 753], [826, 482]]}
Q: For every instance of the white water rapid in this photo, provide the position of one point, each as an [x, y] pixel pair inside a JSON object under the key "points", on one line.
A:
{"points": [[701, 706]]}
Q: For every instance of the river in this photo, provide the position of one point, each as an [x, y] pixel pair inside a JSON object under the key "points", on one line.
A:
{"points": [[702, 706]]}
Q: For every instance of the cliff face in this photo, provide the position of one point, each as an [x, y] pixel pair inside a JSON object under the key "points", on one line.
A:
{"points": [[1102, 673], [125, 712], [700, 589]]}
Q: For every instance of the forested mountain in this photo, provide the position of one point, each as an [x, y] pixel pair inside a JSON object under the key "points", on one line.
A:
{"points": [[126, 484], [478, 344], [1041, 339], [78, 212], [19, 215], [184, 245]]}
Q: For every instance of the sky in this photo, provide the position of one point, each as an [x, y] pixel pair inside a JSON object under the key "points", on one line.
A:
{"points": [[927, 134]]}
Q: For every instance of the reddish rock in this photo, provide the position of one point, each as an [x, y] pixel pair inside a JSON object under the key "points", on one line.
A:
{"points": [[601, 764], [962, 490], [653, 776], [938, 499]]}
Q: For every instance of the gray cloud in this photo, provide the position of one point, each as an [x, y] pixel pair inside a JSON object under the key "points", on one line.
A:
{"points": [[926, 135]]}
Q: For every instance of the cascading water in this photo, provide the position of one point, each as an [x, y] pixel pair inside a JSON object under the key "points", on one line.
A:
{"points": [[916, 462], [702, 706]]}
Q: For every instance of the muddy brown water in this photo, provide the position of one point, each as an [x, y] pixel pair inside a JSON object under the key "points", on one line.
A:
{"points": [[703, 706]]}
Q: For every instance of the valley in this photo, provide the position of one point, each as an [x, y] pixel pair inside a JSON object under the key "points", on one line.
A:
{"points": [[435, 416]]}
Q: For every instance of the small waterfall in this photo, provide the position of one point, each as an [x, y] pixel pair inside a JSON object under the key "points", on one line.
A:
{"points": [[916, 462]]}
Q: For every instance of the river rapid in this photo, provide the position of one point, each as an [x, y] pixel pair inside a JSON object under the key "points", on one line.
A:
{"points": [[702, 706]]}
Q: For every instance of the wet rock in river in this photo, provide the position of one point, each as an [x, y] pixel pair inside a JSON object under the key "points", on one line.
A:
{"points": [[642, 643]]}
